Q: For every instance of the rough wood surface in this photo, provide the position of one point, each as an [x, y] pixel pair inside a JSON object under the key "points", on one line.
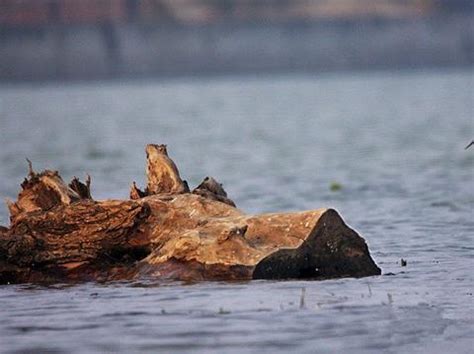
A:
{"points": [[59, 233], [42, 191], [81, 189], [162, 173], [211, 189]]}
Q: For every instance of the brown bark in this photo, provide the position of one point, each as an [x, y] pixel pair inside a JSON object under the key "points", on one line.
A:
{"points": [[42, 191], [59, 233], [135, 192], [162, 173], [82, 190], [211, 189]]}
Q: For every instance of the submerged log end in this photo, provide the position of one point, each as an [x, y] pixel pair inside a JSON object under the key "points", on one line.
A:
{"points": [[332, 250]]}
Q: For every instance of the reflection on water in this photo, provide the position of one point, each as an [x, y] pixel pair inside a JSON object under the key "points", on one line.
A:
{"points": [[394, 143]]}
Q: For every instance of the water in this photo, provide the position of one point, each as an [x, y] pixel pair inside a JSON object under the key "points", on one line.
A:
{"points": [[394, 141]]}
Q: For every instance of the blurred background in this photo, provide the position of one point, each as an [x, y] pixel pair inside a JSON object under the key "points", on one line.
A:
{"points": [[90, 39]]}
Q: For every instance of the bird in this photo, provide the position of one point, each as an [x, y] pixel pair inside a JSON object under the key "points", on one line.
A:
{"points": [[470, 144]]}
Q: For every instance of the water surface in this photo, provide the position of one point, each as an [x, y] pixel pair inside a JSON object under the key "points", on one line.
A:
{"points": [[394, 141]]}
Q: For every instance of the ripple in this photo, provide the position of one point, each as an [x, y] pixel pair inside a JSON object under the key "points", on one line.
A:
{"points": [[410, 198], [28, 329]]}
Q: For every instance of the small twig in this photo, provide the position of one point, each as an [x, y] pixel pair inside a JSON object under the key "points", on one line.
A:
{"points": [[31, 173], [469, 145]]}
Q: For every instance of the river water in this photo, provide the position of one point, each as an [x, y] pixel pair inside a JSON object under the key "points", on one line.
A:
{"points": [[395, 143]]}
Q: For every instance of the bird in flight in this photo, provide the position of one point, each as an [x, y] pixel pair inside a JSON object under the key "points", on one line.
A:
{"points": [[470, 144]]}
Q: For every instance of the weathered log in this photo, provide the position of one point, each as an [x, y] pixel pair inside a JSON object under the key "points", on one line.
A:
{"points": [[59, 233]]}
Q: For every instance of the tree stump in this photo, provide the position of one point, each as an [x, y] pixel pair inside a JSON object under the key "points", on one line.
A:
{"points": [[59, 233]]}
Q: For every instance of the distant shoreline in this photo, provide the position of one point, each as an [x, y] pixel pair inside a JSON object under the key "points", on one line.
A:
{"points": [[129, 51], [257, 75]]}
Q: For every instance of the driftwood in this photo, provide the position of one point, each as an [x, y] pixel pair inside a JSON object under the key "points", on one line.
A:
{"points": [[59, 233]]}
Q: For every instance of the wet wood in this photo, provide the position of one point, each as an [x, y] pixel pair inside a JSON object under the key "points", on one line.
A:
{"points": [[58, 233]]}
